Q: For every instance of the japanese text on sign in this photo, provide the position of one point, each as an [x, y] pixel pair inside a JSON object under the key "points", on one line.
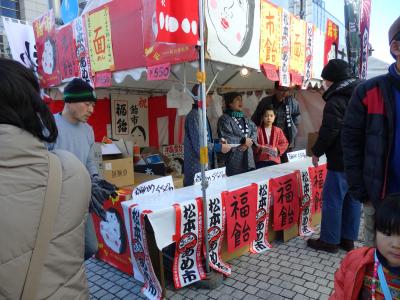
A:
{"points": [[270, 38], [262, 219], [153, 187], [317, 177], [211, 175], [215, 233], [305, 222], [241, 208], [187, 261], [99, 40], [286, 201]]}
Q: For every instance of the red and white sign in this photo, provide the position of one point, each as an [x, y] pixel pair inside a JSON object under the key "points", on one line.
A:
{"points": [[317, 177], [261, 243], [82, 51], [177, 21], [331, 41], [44, 29], [241, 207], [66, 46], [140, 254], [188, 267], [305, 228], [215, 233], [286, 199]]}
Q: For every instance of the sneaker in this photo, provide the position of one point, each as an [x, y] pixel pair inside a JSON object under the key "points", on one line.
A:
{"points": [[346, 245], [317, 244]]}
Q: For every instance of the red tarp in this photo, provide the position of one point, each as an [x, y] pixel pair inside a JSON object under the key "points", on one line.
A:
{"points": [[99, 120]]}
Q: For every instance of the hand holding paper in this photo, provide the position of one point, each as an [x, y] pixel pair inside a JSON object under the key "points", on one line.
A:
{"points": [[273, 151]]}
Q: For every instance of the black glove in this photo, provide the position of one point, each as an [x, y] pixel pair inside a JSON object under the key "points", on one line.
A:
{"points": [[101, 191]]}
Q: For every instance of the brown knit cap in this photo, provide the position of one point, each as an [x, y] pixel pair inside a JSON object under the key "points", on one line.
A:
{"points": [[394, 29]]}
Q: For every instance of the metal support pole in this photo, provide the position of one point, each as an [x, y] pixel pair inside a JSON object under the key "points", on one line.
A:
{"points": [[203, 118]]}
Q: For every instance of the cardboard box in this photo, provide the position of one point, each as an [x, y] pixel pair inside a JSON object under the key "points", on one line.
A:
{"points": [[312, 138], [118, 171]]}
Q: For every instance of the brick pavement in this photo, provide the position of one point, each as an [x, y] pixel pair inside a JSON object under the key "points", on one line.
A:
{"points": [[287, 271]]}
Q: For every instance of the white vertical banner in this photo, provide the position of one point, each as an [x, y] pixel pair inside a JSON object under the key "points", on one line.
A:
{"points": [[318, 53], [140, 255], [129, 114], [309, 55], [187, 267], [215, 233], [21, 39], [305, 207], [284, 75], [82, 51], [261, 243]]}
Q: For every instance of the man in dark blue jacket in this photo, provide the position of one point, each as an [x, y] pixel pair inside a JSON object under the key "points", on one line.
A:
{"points": [[371, 138]]}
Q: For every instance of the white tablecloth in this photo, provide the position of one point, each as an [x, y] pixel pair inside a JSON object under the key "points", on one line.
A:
{"points": [[162, 217]]}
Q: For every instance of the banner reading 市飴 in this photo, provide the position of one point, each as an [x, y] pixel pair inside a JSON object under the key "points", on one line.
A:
{"points": [[270, 39]]}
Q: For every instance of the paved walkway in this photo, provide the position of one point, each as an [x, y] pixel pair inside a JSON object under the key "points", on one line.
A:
{"points": [[288, 271]]}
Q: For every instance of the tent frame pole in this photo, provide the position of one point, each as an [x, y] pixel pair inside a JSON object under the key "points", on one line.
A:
{"points": [[201, 76]]}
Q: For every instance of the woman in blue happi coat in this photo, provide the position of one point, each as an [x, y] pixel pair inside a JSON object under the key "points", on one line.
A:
{"points": [[192, 142]]}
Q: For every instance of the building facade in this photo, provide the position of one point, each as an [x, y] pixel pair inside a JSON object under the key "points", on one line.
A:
{"points": [[24, 10]]}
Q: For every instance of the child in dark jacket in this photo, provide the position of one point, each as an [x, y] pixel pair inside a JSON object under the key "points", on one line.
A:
{"points": [[271, 140], [369, 272]]}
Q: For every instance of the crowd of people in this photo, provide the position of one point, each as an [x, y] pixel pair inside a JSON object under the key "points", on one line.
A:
{"points": [[49, 181]]}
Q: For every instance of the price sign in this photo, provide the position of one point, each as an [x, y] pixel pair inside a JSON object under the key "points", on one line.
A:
{"points": [[159, 72], [296, 155], [102, 79]]}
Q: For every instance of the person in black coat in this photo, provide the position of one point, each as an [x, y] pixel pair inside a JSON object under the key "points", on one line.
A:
{"points": [[340, 212]]}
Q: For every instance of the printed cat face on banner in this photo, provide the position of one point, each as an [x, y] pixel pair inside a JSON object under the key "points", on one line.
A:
{"points": [[233, 23]]}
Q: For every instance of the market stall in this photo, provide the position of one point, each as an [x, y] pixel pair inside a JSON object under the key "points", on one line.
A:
{"points": [[134, 77]]}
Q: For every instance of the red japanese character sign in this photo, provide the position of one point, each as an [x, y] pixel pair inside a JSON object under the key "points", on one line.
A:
{"points": [[67, 59], [317, 177], [286, 201], [331, 41], [177, 21], [241, 207]]}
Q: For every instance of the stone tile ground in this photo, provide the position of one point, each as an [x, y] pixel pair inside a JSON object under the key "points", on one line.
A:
{"points": [[288, 271]]}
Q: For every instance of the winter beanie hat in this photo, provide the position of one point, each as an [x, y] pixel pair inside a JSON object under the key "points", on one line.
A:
{"points": [[336, 70], [79, 90], [394, 30]]}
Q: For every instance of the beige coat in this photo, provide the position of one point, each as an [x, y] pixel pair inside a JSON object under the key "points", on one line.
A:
{"points": [[23, 180]]}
